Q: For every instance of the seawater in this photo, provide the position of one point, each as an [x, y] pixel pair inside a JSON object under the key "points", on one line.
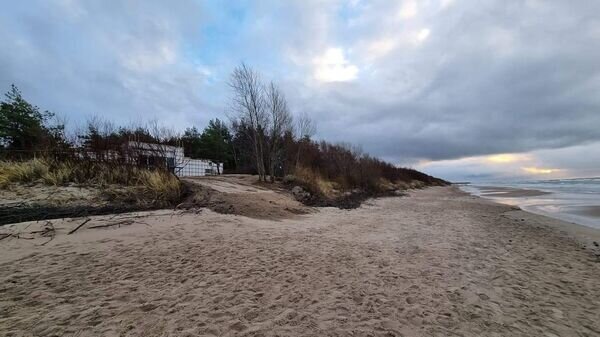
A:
{"points": [[574, 200]]}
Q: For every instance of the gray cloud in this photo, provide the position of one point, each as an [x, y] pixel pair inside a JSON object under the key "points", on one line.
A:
{"points": [[119, 60], [499, 77], [437, 82]]}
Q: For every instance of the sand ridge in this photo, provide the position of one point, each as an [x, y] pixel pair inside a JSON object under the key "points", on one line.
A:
{"points": [[436, 263], [242, 195]]}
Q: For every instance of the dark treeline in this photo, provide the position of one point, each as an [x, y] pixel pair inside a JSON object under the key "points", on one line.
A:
{"points": [[261, 137], [24, 127]]}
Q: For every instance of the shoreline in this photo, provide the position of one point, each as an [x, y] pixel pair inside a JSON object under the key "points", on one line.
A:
{"points": [[567, 207], [437, 262], [584, 235]]}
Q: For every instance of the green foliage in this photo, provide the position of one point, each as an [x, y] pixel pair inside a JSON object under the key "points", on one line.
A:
{"points": [[216, 142], [192, 143], [24, 127], [213, 143]]}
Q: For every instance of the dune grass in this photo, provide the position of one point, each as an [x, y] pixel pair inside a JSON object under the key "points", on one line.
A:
{"points": [[313, 181], [143, 185], [23, 172], [160, 185]]}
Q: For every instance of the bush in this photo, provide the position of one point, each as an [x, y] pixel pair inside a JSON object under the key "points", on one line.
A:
{"points": [[348, 169], [314, 182]]}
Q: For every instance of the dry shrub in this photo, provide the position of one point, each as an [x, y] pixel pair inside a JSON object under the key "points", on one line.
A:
{"points": [[314, 182], [289, 179], [416, 184], [402, 185], [354, 170], [386, 185]]}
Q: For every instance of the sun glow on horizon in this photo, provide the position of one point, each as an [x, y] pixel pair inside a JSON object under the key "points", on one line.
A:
{"points": [[539, 170], [506, 158]]}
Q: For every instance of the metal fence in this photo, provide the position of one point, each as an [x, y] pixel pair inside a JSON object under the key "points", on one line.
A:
{"points": [[141, 155], [147, 158]]}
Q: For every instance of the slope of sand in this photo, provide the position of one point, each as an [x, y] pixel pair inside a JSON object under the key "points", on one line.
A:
{"points": [[436, 263], [241, 194]]}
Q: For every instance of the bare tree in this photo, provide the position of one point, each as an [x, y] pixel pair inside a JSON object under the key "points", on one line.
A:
{"points": [[161, 136], [305, 128], [249, 103], [280, 121]]}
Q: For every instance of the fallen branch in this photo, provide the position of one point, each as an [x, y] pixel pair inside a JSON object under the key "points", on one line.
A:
{"points": [[124, 222], [18, 236], [80, 225]]}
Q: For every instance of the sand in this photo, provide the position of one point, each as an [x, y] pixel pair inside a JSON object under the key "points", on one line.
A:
{"points": [[242, 195], [436, 263], [591, 211]]}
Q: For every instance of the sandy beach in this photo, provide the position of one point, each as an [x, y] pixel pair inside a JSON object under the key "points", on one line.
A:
{"points": [[438, 262]]}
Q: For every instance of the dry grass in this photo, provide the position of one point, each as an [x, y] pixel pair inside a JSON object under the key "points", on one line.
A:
{"points": [[160, 185], [23, 172], [314, 182], [416, 184], [142, 185], [386, 185], [59, 174]]}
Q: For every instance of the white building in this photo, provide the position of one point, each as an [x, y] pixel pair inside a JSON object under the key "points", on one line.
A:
{"points": [[173, 157]]}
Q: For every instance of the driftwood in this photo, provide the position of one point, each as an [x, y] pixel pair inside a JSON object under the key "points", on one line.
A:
{"points": [[48, 231], [80, 225], [15, 235], [118, 223]]}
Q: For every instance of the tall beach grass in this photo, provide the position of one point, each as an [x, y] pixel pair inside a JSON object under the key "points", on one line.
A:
{"points": [[157, 186]]}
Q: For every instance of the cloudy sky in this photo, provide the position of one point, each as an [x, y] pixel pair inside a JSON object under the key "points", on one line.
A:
{"points": [[466, 90]]}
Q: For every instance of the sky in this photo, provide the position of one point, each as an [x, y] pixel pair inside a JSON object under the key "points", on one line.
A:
{"points": [[464, 90]]}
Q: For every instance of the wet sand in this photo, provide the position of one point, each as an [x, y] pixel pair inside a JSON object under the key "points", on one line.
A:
{"points": [[437, 263], [590, 211]]}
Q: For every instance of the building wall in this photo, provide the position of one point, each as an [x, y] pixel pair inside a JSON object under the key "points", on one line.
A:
{"points": [[184, 166]]}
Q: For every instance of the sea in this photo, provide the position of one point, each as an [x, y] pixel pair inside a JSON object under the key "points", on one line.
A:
{"points": [[573, 200]]}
